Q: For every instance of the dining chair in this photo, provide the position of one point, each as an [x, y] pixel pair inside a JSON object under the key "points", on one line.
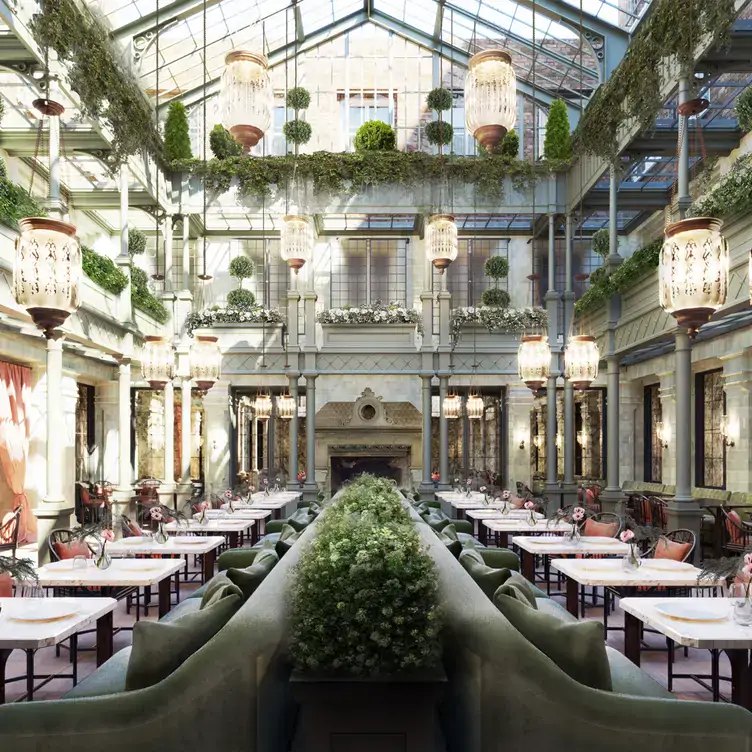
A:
{"points": [[606, 524], [677, 544], [9, 531], [736, 535]]}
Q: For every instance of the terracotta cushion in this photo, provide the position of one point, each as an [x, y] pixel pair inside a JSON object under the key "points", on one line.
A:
{"points": [[601, 529], [668, 549], [6, 586], [734, 527], [70, 551], [135, 529]]}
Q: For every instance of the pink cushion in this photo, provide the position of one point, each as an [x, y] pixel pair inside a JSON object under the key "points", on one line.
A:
{"points": [[600, 529], [668, 549], [70, 551]]}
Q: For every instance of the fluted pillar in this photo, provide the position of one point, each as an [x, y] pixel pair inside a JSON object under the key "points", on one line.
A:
{"points": [[55, 421], [444, 482], [311, 487], [552, 299], [292, 468], [185, 431]]}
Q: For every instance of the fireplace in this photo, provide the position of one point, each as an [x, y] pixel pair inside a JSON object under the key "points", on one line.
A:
{"points": [[348, 462]]}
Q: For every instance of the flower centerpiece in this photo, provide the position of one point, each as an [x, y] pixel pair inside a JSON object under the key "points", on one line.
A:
{"points": [[231, 315], [575, 516], [483, 490], [96, 536], [277, 482], [265, 484], [375, 313], [532, 518], [736, 573], [435, 477], [469, 487], [15, 570], [301, 478], [506, 498], [160, 515], [229, 497], [631, 561], [202, 507]]}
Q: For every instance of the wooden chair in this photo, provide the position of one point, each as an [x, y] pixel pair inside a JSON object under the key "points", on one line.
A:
{"points": [[9, 530], [606, 518], [736, 535], [682, 537]]}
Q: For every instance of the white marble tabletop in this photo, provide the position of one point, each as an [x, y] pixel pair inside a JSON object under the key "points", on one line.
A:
{"points": [[493, 512], [460, 499], [610, 572], [558, 545], [222, 525], [55, 620], [520, 525], [711, 635], [181, 545], [121, 573], [243, 513]]}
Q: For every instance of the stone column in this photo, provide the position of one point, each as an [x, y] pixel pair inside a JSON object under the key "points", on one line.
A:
{"points": [[683, 511], [54, 200], [186, 252], [445, 334], [668, 417], [124, 490], [217, 438], [293, 301], [167, 238], [311, 488], [552, 489], [55, 420], [123, 260], [271, 439], [292, 469], [684, 200], [569, 491], [444, 482], [519, 407], [185, 432], [426, 484], [631, 434], [309, 303], [167, 489]]}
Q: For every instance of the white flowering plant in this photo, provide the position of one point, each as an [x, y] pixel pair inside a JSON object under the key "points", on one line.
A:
{"points": [[495, 319], [375, 313], [231, 315]]}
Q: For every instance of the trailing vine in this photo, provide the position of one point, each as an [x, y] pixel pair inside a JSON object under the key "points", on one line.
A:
{"points": [[350, 173], [634, 88], [16, 203], [96, 73], [732, 194], [143, 299], [633, 269], [103, 271]]}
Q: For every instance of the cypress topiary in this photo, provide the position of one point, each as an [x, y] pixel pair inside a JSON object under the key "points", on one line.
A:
{"points": [[177, 140], [222, 144], [558, 143], [510, 146], [136, 242]]}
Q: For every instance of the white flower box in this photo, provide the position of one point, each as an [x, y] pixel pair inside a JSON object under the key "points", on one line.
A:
{"points": [[244, 337], [386, 338]]}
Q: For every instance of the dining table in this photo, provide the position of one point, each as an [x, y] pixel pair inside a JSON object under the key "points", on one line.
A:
{"points": [[282, 503], [230, 527], [454, 503], [30, 624], [502, 527]]}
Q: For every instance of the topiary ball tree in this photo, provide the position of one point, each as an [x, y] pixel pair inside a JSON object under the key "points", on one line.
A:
{"points": [[496, 267], [177, 140], [439, 132], [222, 144], [439, 100], [495, 298], [297, 131], [298, 98], [241, 267], [375, 135], [602, 242], [136, 242], [558, 142], [240, 298], [510, 146]]}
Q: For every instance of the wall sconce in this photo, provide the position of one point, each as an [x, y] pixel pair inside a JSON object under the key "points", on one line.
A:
{"points": [[582, 438], [559, 441], [538, 441], [522, 443], [726, 431], [663, 432]]}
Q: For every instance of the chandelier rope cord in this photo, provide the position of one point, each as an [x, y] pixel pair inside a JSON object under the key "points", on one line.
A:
{"points": [[581, 214], [40, 123], [156, 275], [204, 276], [534, 151]]}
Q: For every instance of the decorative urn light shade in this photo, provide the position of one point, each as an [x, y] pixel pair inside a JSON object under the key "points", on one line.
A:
{"points": [[296, 241], [581, 358], [452, 406], [693, 271], [490, 97], [158, 363], [246, 97], [205, 362], [47, 271], [286, 407], [534, 360], [262, 406], [474, 407], [441, 241]]}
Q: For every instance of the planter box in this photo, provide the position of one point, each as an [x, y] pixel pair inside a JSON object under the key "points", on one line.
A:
{"points": [[244, 337], [487, 341], [369, 715], [388, 338]]}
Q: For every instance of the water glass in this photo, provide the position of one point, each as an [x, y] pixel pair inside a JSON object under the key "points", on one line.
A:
{"points": [[80, 562]]}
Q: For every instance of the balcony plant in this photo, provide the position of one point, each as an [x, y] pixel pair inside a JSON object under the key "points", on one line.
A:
{"points": [[439, 132], [375, 135], [177, 140], [497, 319], [297, 131], [231, 315], [222, 144], [241, 268], [375, 313]]}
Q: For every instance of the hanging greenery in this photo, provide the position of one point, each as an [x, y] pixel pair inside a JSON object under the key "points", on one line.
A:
{"points": [[439, 132], [744, 109], [732, 194], [96, 73], [177, 139], [634, 89], [558, 142], [297, 131], [103, 271], [375, 136], [16, 203], [142, 298], [633, 269], [136, 242], [347, 173], [602, 242], [439, 100], [510, 145], [222, 144]]}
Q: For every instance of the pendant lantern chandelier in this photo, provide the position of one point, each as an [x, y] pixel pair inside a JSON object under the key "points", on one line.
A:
{"points": [[534, 360], [262, 406], [581, 357], [296, 241], [246, 97], [441, 241], [452, 406], [286, 407], [474, 407], [693, 271], [205, 362], [490, 97], [158, 362]]}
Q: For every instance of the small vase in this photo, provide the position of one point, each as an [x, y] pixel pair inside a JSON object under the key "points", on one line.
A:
{"points": [[631, 562], [574, 537], [532, 520], [742, 607], [203, 519], [504, 509], [103, 559], [161, 536]]}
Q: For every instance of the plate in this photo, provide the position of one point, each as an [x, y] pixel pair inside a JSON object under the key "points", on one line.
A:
{"points": [[600, 540], [197, 542], [137, 566], [666, 565], [137, 540], [683, 611], [44, 611]]}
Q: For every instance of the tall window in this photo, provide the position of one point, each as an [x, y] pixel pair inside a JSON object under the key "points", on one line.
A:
{"points": [[364, 270], [710, 449], [653, 469], [84, 432]]}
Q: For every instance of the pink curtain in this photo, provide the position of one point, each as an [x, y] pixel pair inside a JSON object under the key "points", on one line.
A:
{"points": [[15, 387]]}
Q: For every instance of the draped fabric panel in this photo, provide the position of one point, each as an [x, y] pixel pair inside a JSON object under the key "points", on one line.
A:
{"points": [[15, 393]]}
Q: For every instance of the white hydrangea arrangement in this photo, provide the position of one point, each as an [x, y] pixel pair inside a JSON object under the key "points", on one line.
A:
{"points": [[502, 320], [375, 313], [231, 315]]}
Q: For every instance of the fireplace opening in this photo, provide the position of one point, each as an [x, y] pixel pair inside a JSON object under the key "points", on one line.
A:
{"points": [[346, 468]]}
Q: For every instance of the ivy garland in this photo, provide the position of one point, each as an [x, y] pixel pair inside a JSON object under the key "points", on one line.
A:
{"points": [[350, 173], [142, 298], [634, 89], [732, 194], [103, 271], [633, 269], [97, 74]]}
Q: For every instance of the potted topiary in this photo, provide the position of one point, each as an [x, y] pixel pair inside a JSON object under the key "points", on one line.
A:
{"points": [[222, 144], [439, 132], [602, 242], [241, 267], [365, 625], [297, 131], [557, 146], [375, 135], [136, 242], [496, 268]]}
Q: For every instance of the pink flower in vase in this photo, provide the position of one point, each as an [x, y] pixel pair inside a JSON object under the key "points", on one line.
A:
{"points": [[506, 495], [108, 535], [228, 494], [626, 536], [747, 572], [529, 505], [266, 481], [748, 559], [469, 482], [435, 477], [578, 514], [156, 514]]}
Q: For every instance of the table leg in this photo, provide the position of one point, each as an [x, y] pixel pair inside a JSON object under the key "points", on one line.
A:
{"points": [[482, 534], [255, 532], [232, 539], [209, 559], [30, 675], [573, 597], [104, 638], [4, 655], [164, 596], [74, 658], [632, 629], [741, 686], [528, 565], [503, 541]]}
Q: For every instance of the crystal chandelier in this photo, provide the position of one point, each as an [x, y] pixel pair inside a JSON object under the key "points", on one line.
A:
{"points": [[581, 357], [296, 241], [490, 97], [246, 97], [693, 271], [286, 407], [441, 241], [157, 362], [534, 360], [262, 406], [474, 407], [205, 362], [452, 406]]}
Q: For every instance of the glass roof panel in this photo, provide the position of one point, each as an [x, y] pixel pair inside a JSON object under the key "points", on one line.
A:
{"points": [[616, 12], [421, 14]]}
